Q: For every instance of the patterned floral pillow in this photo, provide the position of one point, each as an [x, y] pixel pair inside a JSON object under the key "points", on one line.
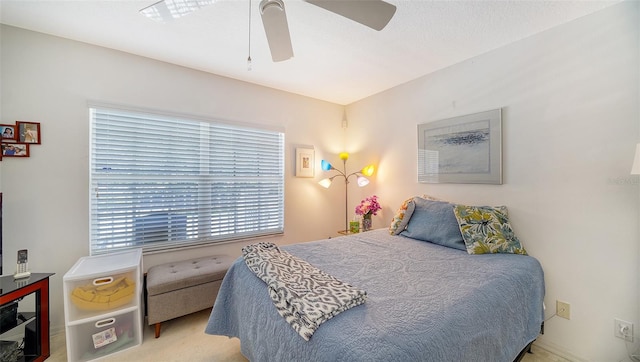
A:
{"points": [[486, 229], [402, 216]]}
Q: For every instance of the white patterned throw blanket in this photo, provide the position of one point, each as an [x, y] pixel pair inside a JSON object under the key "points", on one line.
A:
{"points": [[304, 295]]}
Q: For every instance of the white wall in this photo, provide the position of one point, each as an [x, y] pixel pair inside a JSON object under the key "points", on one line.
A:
{"points": [[570, 121], [569, 98], [46, 197]]}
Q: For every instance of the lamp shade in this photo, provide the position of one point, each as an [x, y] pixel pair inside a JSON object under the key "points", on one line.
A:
{"points": [[635, 168], [326, 166], [362, 181], [325, 183], [368, 170]]}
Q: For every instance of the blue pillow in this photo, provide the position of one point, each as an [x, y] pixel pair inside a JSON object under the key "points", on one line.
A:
{"points": [[435, 222]]}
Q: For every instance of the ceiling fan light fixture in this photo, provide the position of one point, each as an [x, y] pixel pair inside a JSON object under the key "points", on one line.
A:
{"points": [[167, 10]]}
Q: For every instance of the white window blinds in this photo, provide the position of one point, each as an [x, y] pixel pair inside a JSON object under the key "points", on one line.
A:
{"points": [[160, 182]]}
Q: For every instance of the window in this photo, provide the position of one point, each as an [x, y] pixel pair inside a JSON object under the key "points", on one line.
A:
{"points": [[163, 182]]}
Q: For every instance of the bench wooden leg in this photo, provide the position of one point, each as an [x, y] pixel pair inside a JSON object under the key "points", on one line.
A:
{"points": [[157, 330]]}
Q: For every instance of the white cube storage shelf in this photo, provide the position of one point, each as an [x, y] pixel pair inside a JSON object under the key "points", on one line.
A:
{"points": [[103, 305]]}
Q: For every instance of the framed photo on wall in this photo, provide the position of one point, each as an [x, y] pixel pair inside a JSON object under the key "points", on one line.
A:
{"points": [[305, 161], [15, 149], [8, 132], [465, 149], [28, 132]]}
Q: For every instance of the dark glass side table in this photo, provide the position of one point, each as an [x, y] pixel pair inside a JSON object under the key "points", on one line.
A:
{"points": [[12, 291]]}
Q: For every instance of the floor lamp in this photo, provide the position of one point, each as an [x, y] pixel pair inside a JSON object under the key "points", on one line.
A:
{"points": [[360, 178]]}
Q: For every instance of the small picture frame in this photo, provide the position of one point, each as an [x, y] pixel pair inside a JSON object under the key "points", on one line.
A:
{"points": [[28, 132], [305, 161], [8, 132], [15, 149]]}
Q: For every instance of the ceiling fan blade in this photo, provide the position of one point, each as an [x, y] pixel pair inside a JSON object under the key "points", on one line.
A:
{"points": [[375, 14], [166, 10], [274, 20]]}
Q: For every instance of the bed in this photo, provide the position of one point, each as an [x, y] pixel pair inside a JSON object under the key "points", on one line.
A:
{"points": [[425, 302]]}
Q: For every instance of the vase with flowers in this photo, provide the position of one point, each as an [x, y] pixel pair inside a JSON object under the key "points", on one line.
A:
{"points": [[367, 208]]}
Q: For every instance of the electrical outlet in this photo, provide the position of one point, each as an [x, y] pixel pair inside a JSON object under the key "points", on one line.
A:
{"points": [[563, 309], [623, 329]]}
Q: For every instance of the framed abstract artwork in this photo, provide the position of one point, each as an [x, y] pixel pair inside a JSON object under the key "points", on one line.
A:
{"points": [[465, 149]]}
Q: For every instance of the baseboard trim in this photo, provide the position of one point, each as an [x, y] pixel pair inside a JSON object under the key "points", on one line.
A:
{"points": [[558, 351]]}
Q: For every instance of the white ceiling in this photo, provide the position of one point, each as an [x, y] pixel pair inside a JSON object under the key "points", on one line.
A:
{"points": [[335, 59]]}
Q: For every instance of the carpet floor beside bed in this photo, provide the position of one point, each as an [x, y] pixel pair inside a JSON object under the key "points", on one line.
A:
{"points": [[183, 339]]}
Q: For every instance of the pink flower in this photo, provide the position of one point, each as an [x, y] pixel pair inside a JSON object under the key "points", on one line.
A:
{"points": [[369, 205]]}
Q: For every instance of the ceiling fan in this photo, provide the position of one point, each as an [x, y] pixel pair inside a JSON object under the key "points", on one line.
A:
{"points": [[375, 14]]}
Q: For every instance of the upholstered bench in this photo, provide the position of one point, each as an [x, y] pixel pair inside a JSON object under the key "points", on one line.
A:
{"points": [[184, 287]]}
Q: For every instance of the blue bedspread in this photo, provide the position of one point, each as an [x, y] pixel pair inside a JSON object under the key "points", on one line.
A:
{"points": [[425, 303]]}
